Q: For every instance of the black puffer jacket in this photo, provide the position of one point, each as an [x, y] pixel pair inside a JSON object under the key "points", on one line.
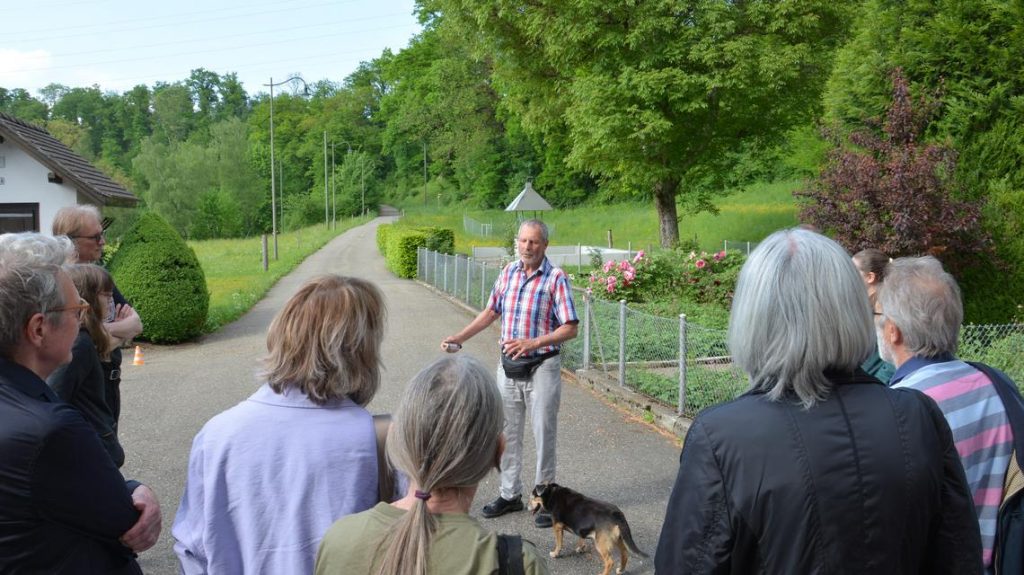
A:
{"points": [[867, 481]]}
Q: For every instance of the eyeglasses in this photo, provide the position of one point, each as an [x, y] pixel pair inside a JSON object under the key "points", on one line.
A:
{"points": [[877, 313], [96, 238], [80, 309]]}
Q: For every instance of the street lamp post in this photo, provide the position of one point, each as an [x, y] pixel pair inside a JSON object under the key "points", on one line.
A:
{"points": [[273, 192]]}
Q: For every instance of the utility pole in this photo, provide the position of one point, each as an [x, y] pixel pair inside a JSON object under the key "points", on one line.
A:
{"points": [[334, 199], [424, 172], [273, 194], [327, 213]]}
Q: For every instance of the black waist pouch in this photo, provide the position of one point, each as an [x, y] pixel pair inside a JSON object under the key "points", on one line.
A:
{"points": [[523, 367]]}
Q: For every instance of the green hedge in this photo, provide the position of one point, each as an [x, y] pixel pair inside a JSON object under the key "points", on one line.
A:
{"points": [[383, 232], [401, 251], [159, 274], [441, 240]]}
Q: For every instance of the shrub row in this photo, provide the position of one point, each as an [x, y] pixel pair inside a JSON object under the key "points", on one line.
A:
{"points": [[399, 246]]}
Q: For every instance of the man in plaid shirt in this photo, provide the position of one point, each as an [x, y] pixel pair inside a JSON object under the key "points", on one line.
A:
{"points": [[534, 301]]}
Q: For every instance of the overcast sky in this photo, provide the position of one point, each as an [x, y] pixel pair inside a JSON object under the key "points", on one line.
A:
{"points": [[118, 44]]}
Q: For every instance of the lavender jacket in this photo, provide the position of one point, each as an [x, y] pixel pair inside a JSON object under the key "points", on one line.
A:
{"points": [[266, 479]]}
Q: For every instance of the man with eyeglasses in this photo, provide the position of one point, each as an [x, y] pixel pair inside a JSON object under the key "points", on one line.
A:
{"points": [[82, 224], [64, 506]]}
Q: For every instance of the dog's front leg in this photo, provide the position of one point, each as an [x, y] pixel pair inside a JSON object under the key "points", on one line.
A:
{"points": [[559, 528]]}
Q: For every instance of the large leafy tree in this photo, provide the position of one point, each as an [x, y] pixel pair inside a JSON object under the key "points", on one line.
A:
{"points": [[654, 95]]}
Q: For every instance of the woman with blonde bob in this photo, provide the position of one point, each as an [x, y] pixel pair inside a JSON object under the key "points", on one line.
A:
{"points": [[267, 477], [819, 468], [446, 437]]}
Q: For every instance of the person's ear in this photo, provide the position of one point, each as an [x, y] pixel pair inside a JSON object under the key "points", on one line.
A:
{"points": [[893, 334], [871, 278], [35, 330]]}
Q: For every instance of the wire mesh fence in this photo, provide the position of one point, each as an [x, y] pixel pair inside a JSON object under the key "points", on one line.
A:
{"points": [[644, 352]]}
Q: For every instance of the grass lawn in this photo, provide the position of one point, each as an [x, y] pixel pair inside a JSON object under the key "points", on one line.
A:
{"points": [[234, 270], [749, 214]]}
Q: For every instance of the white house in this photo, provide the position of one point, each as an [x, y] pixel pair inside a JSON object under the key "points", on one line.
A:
{"points": [[39, 175]]}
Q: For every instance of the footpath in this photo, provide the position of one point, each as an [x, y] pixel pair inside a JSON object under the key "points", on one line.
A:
{"points": [[602, 451]]}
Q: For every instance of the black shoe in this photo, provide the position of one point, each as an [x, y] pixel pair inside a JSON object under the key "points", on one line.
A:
{"points": [[501, 506], [542, 519]]}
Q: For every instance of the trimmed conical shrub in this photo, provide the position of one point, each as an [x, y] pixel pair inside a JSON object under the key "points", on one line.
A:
{"points": [[159, 274]]}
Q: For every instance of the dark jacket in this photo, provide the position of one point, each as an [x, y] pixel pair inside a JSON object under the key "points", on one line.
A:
{"points": [[63, 504], [83, 384], [866, 481]]}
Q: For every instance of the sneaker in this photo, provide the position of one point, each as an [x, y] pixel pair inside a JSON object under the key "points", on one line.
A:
{"points": [[501, 506], [542, 519]]}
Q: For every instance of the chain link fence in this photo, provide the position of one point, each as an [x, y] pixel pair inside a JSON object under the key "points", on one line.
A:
{"points": [[644, 352]]}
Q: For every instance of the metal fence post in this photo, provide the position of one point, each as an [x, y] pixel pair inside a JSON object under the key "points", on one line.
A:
{"points": [[586, 329], [483, 283], [469, 276], [622, 342], [682, 363], [725, 247], [445, 281], [579, 258], [435, 268]]}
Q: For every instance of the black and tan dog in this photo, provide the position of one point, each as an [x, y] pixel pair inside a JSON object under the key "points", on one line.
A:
{"points": [[587, 518]]}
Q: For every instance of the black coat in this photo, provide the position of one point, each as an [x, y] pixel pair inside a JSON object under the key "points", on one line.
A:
{"points": [[82, 384], [866, 481]]}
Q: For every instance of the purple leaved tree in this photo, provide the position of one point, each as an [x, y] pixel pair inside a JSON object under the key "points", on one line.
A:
{"points": [[888, 189]]}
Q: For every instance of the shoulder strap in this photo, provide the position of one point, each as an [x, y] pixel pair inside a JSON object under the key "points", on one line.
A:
{"points": [[385, 479], [1013, 403], [510, 555]]}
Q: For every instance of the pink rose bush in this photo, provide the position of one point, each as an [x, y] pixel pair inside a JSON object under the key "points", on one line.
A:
{"points": [[669, 275]]}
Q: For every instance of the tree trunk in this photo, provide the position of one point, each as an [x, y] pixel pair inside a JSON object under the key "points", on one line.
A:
{"points": [[665, 203]]}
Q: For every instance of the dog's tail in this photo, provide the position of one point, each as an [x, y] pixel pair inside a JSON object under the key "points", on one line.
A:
{"points": [[627, 535]]}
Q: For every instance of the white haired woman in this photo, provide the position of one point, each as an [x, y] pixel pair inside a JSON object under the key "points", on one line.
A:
{"points": [[446, 437], [267, 477], [819, 468]]}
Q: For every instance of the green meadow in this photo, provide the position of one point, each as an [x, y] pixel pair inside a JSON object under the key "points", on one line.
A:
{"points": [[234, 268], [748, 214]]}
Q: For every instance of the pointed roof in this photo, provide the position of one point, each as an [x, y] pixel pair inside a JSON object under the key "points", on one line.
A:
{"points": [[528, 200], [64, 163]]}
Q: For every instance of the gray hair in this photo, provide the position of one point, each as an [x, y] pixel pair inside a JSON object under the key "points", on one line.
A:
{"points": [[800, 309], [533, 223], [29, 284], [923, 301], [445, 436]]}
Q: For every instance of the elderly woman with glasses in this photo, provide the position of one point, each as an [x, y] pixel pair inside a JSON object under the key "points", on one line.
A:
{"points": [[82, 382], [819, 468]]}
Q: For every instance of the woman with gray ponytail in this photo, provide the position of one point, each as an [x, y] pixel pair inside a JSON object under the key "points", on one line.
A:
{"points": [[446, 437]]}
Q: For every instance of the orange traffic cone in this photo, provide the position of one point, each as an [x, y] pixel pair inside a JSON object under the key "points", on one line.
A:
{"points": [[138, 356]]}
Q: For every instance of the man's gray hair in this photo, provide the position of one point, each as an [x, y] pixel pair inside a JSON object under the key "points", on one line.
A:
{"points": [[536, 224], [800, 309], [29, 263], [923, 301]]}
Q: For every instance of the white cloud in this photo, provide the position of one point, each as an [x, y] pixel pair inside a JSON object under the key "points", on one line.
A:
{"points": [[24, 69]]}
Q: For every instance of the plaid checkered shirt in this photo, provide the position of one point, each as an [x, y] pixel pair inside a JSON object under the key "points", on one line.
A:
{"points": [[532, 306]]}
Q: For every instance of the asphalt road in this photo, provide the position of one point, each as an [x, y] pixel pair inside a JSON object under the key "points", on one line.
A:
{"points": [[602, 451]]}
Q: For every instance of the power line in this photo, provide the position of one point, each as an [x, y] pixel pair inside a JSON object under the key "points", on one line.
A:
{"points": [[58, 32], [190, 53], [178, 42]]}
